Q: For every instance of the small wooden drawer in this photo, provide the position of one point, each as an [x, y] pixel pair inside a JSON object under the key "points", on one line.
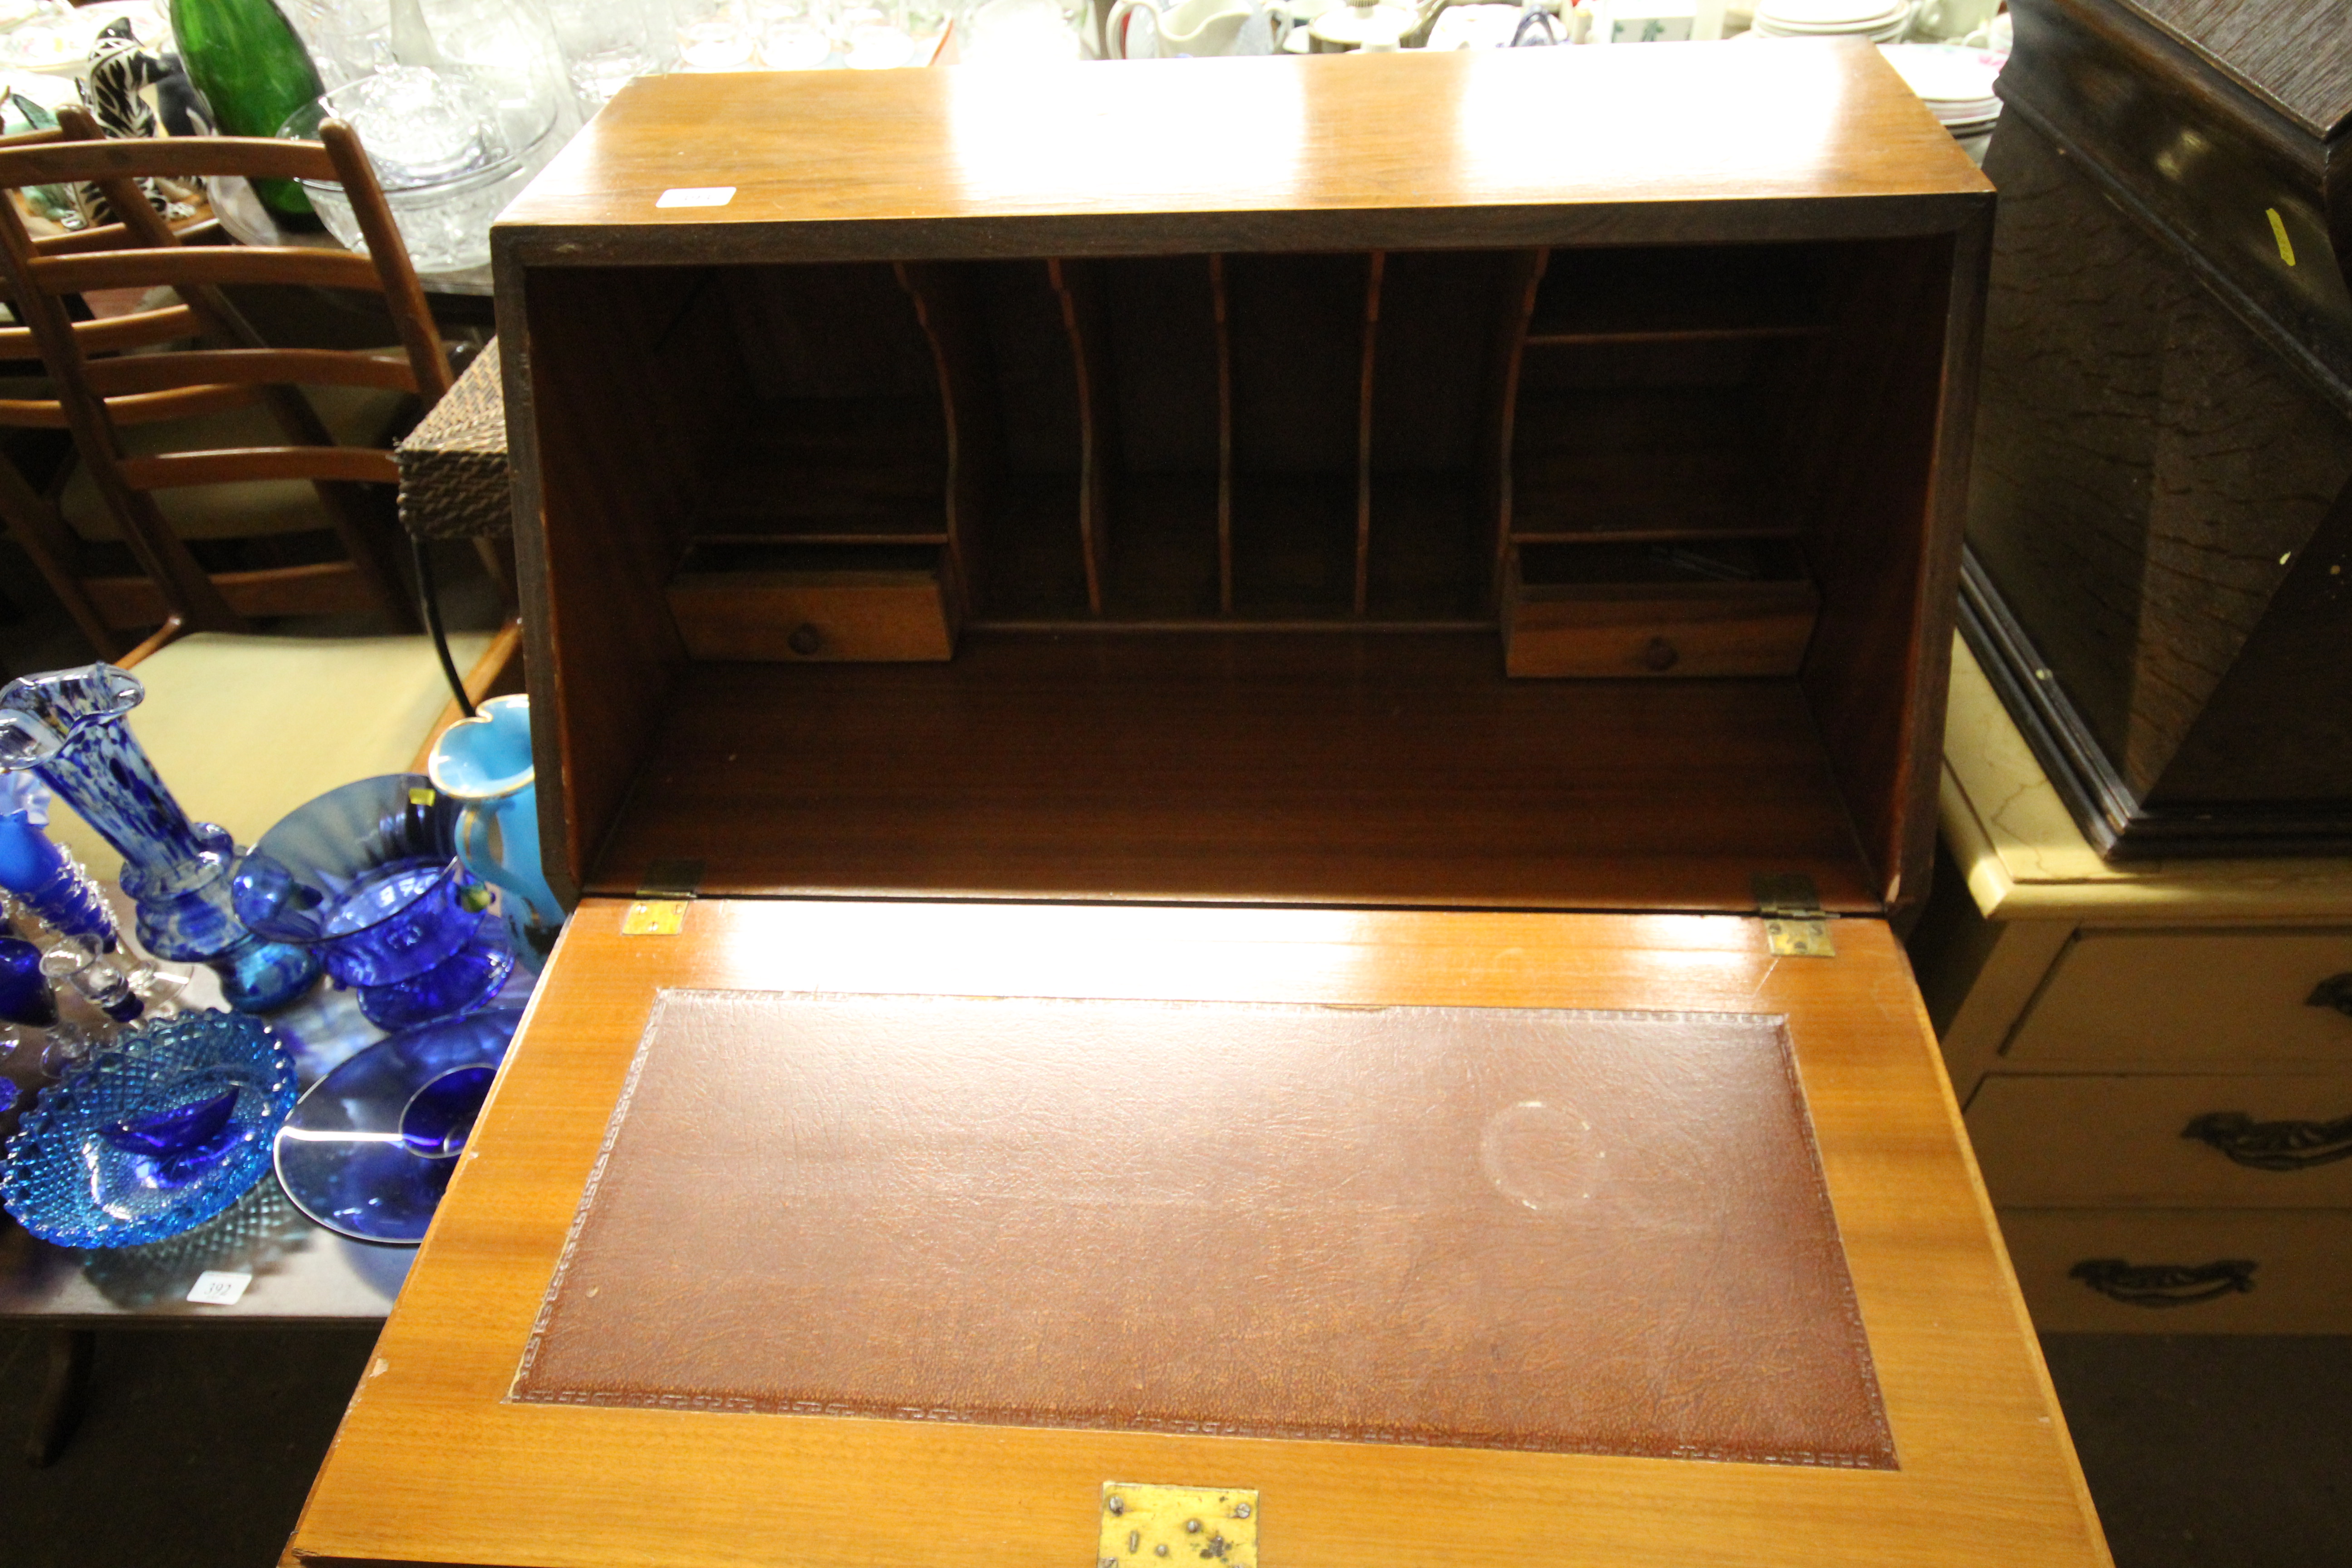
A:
{"points": [[769, 603], [2244, 998], [2183, 1272], [2280, 1141], [1738, 608]]}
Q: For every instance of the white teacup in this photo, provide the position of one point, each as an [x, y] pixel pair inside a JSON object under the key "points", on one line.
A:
{"points": [[1950, 18], [1195, 27]]}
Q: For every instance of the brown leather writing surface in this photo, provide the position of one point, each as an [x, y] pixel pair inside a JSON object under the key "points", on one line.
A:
{"points": [[1523, 1228]]}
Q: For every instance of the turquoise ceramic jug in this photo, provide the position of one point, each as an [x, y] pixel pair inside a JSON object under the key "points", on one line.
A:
{"points": [[486, 762]]}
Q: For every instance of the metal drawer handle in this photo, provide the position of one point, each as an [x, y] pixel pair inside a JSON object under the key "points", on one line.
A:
{"points": [[2165, 1284], [2273, 1145], [2336, 992]]}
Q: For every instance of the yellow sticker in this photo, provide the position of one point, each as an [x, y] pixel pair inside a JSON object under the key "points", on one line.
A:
{"points": [[2278, 232], [655, 916], [419, 796]]}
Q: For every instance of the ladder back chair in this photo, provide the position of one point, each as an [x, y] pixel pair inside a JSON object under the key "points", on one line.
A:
{"points": [[122, 383]]}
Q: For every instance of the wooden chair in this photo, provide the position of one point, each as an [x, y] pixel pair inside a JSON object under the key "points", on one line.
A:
{"points": [[182, 403], [245, 726]]}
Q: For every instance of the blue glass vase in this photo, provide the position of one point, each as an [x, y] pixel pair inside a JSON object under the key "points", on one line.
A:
{"points": [[69, 728], [367, 877], [486, 761]]}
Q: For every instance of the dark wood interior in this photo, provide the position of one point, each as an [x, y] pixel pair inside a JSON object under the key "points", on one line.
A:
{"points": [[1292, 767], [1195, 515]]}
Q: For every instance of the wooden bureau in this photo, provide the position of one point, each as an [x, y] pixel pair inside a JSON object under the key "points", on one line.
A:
{"points": [[2155, 1058], [1239, 738]]}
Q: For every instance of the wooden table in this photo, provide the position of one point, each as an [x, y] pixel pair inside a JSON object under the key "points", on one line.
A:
{"points": [[303, 1275]]}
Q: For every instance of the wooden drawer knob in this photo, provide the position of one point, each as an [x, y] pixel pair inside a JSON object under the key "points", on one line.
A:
{"points": [[1659, 654], [2165, 1284], [805, 640]]}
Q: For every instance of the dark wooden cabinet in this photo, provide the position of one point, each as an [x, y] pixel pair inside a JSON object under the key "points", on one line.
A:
{"points": [[2160, 526]]}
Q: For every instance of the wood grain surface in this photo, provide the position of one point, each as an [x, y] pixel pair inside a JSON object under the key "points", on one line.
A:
{"points": [[1261, 766], [2295, 53], [433, 1463], [1543, 146]]}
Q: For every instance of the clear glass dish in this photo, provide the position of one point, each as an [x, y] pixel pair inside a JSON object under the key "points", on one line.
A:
{"points": [[450, 148]]}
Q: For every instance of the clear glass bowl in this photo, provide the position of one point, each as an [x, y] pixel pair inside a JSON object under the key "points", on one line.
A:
{"points": [[451, 148], [156, 1133]]}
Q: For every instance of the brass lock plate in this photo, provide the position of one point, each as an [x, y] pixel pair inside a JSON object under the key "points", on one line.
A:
{"points": [[1177, 1527], [653, 917], [1799, 939]]}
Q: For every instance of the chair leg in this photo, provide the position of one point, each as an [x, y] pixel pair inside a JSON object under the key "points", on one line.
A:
{"points": [[63, 1396], [32, 523]]}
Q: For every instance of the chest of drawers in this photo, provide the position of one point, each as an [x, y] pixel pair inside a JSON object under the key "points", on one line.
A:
{"points": [[2155, 1060]]}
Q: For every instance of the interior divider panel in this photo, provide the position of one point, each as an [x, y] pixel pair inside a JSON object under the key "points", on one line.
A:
{"points": [[1033, 520], [1524, 282], [1363, 582], [1223, 295], [1078, 290], [1444, 319], [1154, 346], [1295, 326], [951, 324]]}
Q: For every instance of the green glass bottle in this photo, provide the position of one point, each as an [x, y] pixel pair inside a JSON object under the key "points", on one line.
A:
{"points": [[254, 73]]}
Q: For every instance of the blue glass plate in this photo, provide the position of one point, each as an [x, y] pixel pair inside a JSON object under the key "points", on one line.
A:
{"points": [[159, 1131], [371, 1146]]}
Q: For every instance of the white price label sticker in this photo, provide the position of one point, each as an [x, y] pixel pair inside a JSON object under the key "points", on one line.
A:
{"points": [[696, 197], [216, 1288]]}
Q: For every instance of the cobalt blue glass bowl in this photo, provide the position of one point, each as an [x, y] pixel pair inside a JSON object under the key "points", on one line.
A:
{"points": [[163, 1127], [372, 1144], [367, 877]]}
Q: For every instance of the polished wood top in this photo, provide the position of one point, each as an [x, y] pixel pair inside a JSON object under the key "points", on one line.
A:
{"points": [[2025, 859], [436, 1462], [1548, 146], [2297, 54]]}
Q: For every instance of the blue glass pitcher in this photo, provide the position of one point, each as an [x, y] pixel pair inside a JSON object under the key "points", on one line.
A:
{"points": [[486, 762]]}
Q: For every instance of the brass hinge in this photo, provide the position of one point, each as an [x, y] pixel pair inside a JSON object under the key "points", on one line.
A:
{"points": [[1177, 1527], [659, 909], [1794, 923]]}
